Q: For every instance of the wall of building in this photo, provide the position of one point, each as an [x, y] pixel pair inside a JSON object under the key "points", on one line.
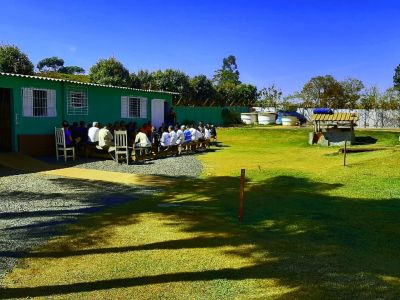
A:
{"points": [[104, 105]]}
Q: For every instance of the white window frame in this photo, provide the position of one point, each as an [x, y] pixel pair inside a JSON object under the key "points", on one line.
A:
{"points": [[28, 100], [74, 108], [127, 103]]}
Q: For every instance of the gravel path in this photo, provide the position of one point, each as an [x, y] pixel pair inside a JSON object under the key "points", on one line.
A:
{"points": [[34, 208], [185, 165]]}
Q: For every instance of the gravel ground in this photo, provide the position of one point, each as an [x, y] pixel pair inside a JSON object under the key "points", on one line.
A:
{"points": [[185, 165], [34, 208]]}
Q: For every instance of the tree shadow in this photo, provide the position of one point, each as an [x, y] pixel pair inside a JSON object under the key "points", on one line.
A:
{"points": [[324, 246], [365, 140]]}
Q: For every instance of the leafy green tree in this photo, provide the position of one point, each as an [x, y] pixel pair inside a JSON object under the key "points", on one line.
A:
{"points": [[203, 91], [52, 64], [172, 81], [396, 77], [12, 60], [245, 94], [71, 70], [110, 72], [226, 94], [269, 97], [229, 72], [141, 80], [323, 91], [351, 92]]}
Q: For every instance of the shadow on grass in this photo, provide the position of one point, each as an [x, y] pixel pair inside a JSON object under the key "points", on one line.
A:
{"points": [[325, 247], [365, 140]]}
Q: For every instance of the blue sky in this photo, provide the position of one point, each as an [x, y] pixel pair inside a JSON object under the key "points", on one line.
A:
{"points": [[285, 42]]}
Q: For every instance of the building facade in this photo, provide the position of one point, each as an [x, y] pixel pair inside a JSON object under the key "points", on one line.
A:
{"points": [[31, 107]]}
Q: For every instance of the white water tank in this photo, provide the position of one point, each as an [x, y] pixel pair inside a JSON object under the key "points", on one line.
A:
{"points": [[266, 118], [248, 118]]}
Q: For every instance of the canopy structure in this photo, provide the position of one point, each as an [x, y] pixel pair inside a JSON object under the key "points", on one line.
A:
{"points": [[338, 128], [336, 119]]}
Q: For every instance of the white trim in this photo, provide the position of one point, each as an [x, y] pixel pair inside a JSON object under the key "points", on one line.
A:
{"points": [[86, 83]]}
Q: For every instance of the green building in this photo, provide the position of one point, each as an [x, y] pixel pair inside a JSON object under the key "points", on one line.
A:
{"points": [[31, 106]]}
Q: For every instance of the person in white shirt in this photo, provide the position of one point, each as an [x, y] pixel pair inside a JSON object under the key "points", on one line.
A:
{"points": [[105, 138], [207, 134], [172, 135], [165, 140], [93, 133], [141, 140], [180, 138], [193, 132]]}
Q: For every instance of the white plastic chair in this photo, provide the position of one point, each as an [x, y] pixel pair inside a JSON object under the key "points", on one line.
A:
{"points": [[61, 146], [121, 145]]}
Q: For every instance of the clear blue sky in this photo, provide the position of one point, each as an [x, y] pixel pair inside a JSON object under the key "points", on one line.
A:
{"points": [[285, 42]]}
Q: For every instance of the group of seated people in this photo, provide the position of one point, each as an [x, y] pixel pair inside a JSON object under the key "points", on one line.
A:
{"points": [[144, 137]]}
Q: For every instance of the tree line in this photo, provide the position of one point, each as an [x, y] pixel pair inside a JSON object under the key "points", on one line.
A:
{"points": [[223, 89]]}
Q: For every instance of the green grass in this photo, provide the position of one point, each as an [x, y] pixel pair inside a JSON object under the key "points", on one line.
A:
{"points": [[313, 229]]}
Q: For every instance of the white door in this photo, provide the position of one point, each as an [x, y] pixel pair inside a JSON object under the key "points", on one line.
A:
{"points": [[157, 112]]}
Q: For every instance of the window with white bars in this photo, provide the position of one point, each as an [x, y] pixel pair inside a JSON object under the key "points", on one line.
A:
{"points": [[133, 107], [39, 102], [77, 101]]}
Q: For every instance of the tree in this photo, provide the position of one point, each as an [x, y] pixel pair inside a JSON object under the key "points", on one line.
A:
{"points": [[141, 80], [229, 72], [109, 72], [269, 97], [245, 94], [172, 81], [53, 64], [203, 91], [323, 91], [396, 77], [12, 60], [71, 70], [351, 92]]}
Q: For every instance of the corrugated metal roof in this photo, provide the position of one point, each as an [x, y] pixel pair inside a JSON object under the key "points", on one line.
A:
{"points": [[84, 83], [345, 117]]}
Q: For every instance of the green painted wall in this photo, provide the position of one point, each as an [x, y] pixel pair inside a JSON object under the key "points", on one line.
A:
{"points": [[104, 105], [211, 115]]}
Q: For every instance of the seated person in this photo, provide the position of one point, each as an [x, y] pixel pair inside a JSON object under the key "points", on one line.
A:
{"points": [[141, 140], [93, 133], [74, 129], [155, 139], [187, 135], [69, 141], [165, 140], [172, 135], [193, 132], [207, 134], [199, 136], [83, 132], [213, 132], [180, 138], [106, 139]]}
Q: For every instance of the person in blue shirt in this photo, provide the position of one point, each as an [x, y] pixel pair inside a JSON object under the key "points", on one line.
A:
{"points": [[69, 141]]}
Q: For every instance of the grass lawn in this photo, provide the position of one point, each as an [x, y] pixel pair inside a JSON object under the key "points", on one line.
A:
{"points": [[313, 229]]}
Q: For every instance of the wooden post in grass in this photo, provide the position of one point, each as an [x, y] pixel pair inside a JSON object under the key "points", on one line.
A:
{"points": [[241, 194], [345, 153]]}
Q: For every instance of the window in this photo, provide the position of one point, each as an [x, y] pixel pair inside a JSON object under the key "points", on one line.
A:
{"points": [[77, 101], [133, 107], [39, 102], [39, 108]]}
